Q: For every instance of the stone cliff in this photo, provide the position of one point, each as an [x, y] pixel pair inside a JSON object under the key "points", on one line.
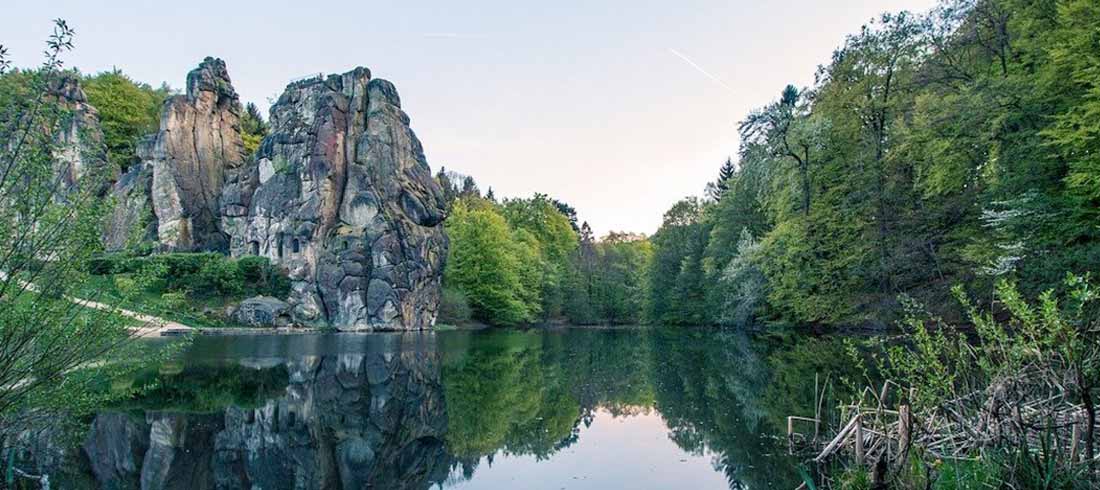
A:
{"points": [[79, 138], [199, 141], [341, 194]]}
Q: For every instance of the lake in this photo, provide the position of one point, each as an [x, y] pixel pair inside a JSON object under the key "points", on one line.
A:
{"points": [[569, 408]]}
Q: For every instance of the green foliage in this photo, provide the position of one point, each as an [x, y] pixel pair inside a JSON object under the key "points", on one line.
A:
{"points": [[607, 283], [191, 288], [266, 278], [128, 111], [549, 235], [253, 128], [58, 355], [676, 283], [454, 308], [222, 277], [954, 147], [1016, 355], [205, 389], [487, 261], [203, 273], [522, 261]]}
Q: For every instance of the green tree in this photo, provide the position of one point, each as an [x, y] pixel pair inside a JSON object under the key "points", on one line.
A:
{"points": [[56, 356], [128, 111], [487, 261], [552, 240], [675, 284], [253, 128]]}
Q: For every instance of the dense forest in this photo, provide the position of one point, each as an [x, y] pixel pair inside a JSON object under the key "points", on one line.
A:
{"points": [[521, 261], [956, 147]]}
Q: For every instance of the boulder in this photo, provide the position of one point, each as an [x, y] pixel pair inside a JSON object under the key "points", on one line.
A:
{"points": [[262, 311]]}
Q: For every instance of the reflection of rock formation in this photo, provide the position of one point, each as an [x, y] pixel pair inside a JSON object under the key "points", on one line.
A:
{"points": [[370, 420]]}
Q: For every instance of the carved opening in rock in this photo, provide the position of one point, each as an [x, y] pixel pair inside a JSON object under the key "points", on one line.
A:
{"points": [[254, 247], [279, 241], [295, 246]]}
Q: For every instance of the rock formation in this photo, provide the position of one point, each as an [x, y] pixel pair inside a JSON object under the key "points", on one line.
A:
{"points": [[132, 220], [341, 194], [80, 150], [199, 141]]}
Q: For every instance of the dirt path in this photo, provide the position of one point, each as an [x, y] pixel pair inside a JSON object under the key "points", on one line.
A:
{"points": [[152, 326]]}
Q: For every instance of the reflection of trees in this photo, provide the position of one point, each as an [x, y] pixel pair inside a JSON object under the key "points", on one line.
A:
{"points": [[721, 393], [730, 395], [409, 412], [711, 405], [503, 396], [205, 388], [527, 392]]}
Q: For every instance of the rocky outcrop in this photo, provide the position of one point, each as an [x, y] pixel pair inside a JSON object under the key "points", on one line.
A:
{"points": [[115, 447], [81, 161], [132, 220], [341, 194], [198, 143], [80, 153]]}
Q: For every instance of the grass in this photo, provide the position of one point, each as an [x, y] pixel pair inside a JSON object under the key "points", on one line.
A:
{"points": [[205, 311]]}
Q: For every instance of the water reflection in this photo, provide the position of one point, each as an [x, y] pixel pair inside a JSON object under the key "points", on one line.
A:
{"points": [[572, 408]]}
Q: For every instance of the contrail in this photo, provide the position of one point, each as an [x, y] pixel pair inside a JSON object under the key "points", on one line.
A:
{"points": [[700, 69]]}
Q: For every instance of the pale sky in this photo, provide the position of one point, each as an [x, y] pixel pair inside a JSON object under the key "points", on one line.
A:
{"points": [[619, 108]]}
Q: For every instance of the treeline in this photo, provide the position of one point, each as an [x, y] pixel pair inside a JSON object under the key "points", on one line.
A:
{"points": [[960, 146], [525, 261]]}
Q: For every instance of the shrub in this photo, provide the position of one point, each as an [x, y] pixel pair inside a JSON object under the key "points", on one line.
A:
{"points": [[102, 265], [124, 284], [264, 277], [173, 301], [220, 276]]}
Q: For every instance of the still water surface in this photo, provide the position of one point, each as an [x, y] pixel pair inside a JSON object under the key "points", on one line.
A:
{"points": [[491, 409]]}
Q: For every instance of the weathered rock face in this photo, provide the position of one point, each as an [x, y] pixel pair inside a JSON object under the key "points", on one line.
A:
{"points": [[341, 194], [80, 150], [132, 220], [199, 141]]}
